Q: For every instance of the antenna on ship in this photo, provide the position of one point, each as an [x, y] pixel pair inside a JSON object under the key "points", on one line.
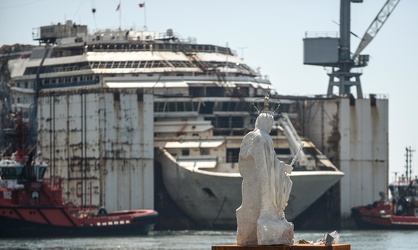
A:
{"points": [[120, 15], [93, 10], [142, 5], [242, 51]]}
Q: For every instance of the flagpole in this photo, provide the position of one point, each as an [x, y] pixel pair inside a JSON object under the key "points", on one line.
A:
{"points": [[120, 16], [145, 16]]}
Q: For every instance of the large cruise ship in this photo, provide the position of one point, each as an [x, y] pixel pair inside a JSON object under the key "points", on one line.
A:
{"points": [[116, 108]]}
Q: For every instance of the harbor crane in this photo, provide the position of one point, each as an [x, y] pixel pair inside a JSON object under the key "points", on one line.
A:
{"points": [[335, 52]]}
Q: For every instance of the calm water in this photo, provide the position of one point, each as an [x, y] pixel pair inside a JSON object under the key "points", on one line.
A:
{"points": [[370, 240]]}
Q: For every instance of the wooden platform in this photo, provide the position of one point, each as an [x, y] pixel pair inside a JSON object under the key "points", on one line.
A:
{"points": [[319, 247], [282, 247], [238, 247]]}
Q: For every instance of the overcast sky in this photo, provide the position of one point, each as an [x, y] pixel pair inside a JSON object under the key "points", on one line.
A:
{"points": [[268, 34]]}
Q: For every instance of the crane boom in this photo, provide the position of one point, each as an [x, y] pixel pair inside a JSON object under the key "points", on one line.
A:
{"points": [[376, 25]]}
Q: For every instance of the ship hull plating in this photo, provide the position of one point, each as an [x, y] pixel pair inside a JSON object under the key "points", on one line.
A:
{"points": [[211, 198], [20, 228]]}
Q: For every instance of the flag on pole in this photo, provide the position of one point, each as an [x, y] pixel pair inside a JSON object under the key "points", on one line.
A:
{"points": [[118, 7], [141, 5]]}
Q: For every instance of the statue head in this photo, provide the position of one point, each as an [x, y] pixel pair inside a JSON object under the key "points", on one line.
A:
{"points": [[266, 108], [264, 122]]}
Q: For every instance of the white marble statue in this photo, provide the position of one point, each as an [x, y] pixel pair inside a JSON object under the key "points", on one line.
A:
{"points": [[266, 188]]}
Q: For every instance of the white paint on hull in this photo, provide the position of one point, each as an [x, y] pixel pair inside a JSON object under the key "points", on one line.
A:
{"points": [[211, 198]]}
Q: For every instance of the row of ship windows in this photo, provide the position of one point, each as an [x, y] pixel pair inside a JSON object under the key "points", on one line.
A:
{"points": [[129, 65], [168, 106], [176, 106], [85, 78], [185, 48], [22, 100], [140, 64], [232, 154], [26, 85], [175, 47], [69, 79], [200, 106]]}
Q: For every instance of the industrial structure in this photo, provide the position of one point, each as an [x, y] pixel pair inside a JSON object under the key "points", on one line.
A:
{"points": [[335, 52], [360, 126]]}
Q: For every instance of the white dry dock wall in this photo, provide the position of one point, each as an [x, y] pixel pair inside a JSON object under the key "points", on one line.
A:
{"points": [[355, 136], [99, 145], [364, 152]]}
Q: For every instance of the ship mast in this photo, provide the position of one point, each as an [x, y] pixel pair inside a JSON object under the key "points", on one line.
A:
{"points": [[408, 166], [120, 14]]}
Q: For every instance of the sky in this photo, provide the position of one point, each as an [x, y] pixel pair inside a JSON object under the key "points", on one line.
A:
{"points": [[268, 35]]}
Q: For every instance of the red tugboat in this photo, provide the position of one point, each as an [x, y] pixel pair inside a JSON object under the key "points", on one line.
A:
{"points": [[30, 207], [401, 213]]}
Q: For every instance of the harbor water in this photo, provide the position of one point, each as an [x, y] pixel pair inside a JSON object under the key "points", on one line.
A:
{"points": [[200, 240]]}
